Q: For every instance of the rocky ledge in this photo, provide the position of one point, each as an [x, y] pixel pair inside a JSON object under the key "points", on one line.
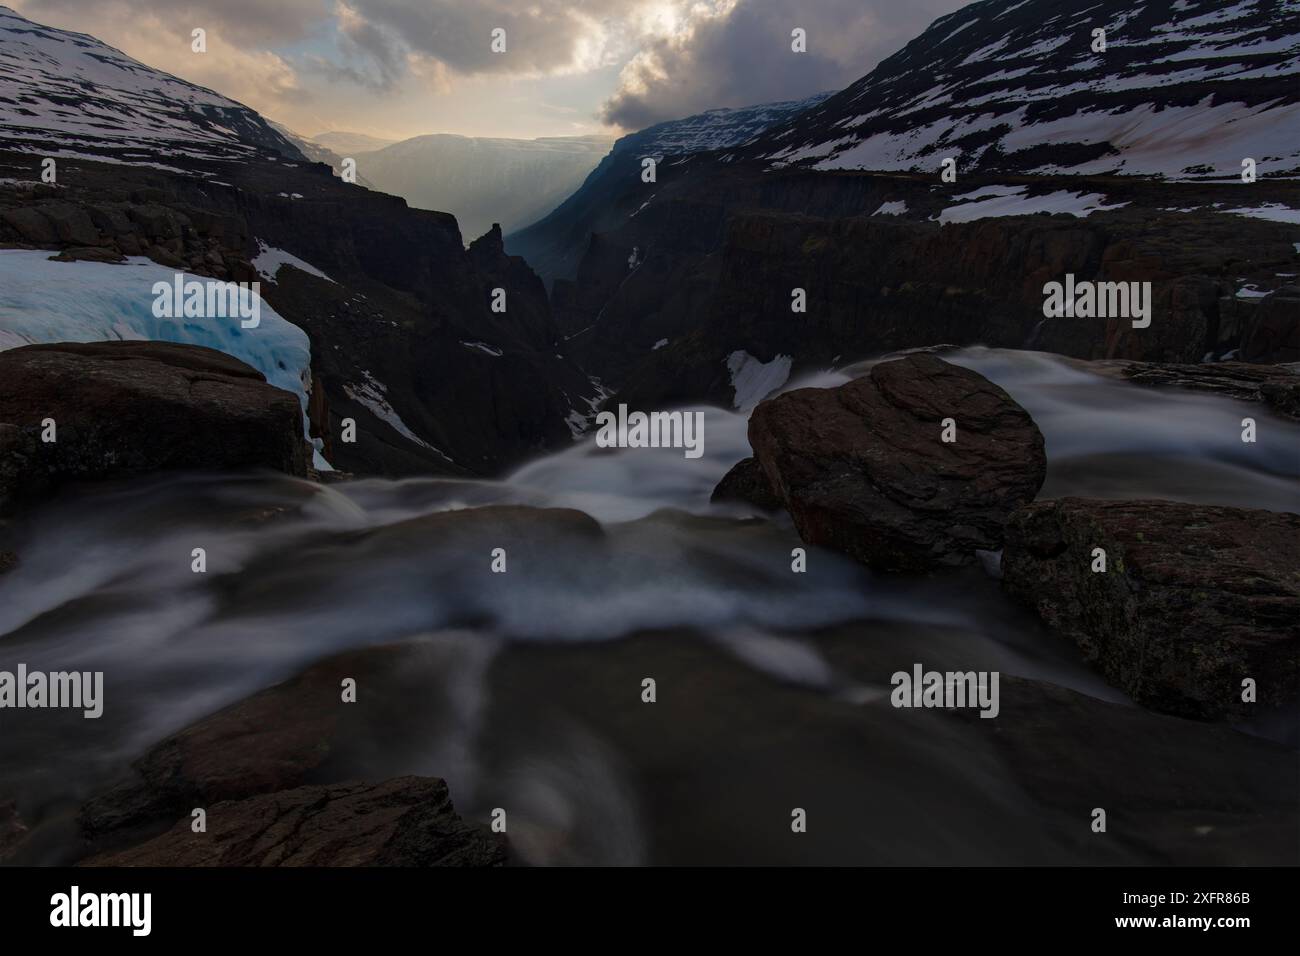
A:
{"points": [[121, 409], [1193, 599], [1277, 386], [407, 821], [914, 466], [280, 792]]}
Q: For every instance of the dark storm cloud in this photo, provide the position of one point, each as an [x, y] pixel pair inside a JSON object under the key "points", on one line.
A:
{"points": [[744, 57]]}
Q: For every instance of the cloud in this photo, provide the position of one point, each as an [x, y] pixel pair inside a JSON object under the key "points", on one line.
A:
{"points": [[242, 72], [543, 37], [299, 59], [249, 24], [741, 55]]}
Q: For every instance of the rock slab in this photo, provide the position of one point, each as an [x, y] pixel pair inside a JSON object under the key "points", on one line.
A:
{"points": [[129, 408], [1194, 598], [406, 821]]}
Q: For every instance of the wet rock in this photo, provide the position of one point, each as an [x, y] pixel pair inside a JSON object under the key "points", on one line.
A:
{"points": [[941, 786], [12, 829], [863, 469], [407, 821], [1194, 598], [292, 734], [128, 408], [1175, 791], [746, 481], [1277, 386]]}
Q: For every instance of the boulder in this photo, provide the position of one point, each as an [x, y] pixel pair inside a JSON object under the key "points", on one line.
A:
{"points": [[863, 468], [406, 821], [746, 481], [1194, 599], [129, 408]]}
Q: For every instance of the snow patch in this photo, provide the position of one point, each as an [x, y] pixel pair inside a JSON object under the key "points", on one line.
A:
{"points": [[1272, 211], [753, 380], [373, 394], [268, 261], [484, 347], [1012, 202]]}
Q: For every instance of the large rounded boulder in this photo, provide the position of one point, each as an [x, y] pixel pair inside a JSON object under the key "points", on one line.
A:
{"points": [[915, 466]]}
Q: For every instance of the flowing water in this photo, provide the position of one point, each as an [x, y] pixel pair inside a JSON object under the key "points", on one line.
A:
{"points": [[297, 572]]}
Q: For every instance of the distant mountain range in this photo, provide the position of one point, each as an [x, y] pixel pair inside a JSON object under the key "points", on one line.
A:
{"points": [[351, 144], [480, 180]]}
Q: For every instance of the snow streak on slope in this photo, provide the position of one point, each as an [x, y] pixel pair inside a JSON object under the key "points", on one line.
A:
{"points": [[1182, 90], [62, 89]]}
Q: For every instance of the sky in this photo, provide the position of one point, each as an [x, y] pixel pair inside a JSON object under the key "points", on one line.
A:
{"points": [[400, 68]]}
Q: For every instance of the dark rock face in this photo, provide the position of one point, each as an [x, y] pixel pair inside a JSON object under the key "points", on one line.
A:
{"points": [[719, 249], [863, 468], [128, 408], [1194, 599], [748, 482], [407, 821]]}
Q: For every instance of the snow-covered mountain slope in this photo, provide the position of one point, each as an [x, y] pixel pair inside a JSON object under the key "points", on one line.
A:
{"points": [[554, 244], [1183, 89], [64, 93], [712, 129]]}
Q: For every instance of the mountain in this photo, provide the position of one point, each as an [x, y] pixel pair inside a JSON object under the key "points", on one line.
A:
{"points": [[394, 325], [554, 244], [351, 144], [1183, 89], [315, 152], [68, 94], [484, 181], [681, 290]]}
